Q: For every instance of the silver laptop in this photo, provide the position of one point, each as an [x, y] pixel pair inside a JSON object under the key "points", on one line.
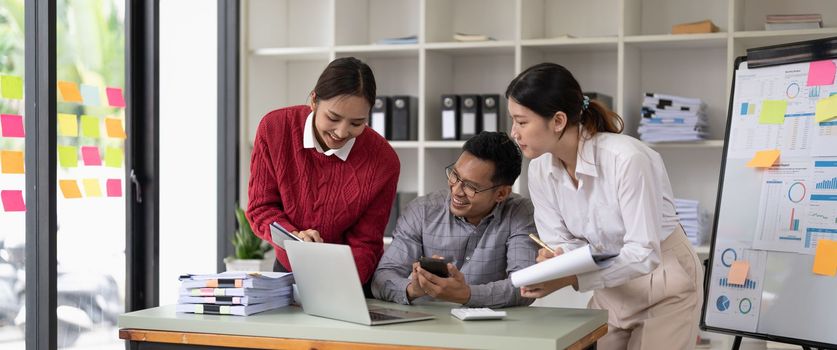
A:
{"points": [[329, 285]]}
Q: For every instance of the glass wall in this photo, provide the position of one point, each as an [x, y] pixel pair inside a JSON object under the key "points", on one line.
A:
{"points": [[12, 176], [90, 58]]}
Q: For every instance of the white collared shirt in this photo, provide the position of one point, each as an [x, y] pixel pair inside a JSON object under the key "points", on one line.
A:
{"points": [[309, 140], [623, 204]]}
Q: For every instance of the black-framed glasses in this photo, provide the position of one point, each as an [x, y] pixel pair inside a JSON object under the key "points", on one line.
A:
{"points": [[470, 189]]}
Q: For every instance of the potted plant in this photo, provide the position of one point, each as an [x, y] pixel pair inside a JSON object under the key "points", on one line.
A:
{"points": [[249, 249]]}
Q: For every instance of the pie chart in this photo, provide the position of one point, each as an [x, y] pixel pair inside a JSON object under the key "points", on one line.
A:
{"points": [[722, 303]]}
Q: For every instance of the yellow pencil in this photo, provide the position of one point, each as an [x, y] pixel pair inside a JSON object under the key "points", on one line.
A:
{"points": [[537, 240]]}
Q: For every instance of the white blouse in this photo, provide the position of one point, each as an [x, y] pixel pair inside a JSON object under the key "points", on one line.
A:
{"points": [[623, 204]]}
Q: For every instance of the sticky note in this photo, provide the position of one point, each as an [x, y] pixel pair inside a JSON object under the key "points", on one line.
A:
{"points": [[12, 201], [68, 156], [67, 125], [115, 98], [764, 159], [826, 109], [12, 125], [11, 87], [738, 272], [69, 188], [91, 188], [113, 157], [825, 259], [89, 126], [114, 187], [90, 155], [114, 128], [12, 162], [773, 111], [69, 91], [90, 95], [821, 73]]}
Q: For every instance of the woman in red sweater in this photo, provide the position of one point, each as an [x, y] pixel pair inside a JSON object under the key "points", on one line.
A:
{"points": [[318, 171]]}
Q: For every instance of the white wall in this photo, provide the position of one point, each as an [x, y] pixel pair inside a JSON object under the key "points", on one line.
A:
{"points": [[188, 141]]}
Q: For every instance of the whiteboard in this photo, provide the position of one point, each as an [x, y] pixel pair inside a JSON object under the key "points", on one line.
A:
{"points": [[773, 217]]}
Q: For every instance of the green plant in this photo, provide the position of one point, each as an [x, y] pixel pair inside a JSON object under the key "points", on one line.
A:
{"points": [[247, 245]]}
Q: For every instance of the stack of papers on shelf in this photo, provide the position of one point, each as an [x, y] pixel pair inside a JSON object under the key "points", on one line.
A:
{"points": [[692, 220], [668, 118], [235, 293], [788, 22], [412, 39], [464, 37]]}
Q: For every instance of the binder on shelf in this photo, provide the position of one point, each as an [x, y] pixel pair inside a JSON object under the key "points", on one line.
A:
{"points": [[404, 118], [450, 117], [490, 113], [470, 109], [382, 116]]}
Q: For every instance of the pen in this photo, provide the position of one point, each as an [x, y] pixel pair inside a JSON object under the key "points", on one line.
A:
{"points": [[537, 240]]}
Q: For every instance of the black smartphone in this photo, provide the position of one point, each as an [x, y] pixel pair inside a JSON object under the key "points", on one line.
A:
{"points": [[438, 267]]}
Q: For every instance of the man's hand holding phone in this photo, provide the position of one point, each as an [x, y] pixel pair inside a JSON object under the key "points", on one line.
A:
{"points": [[439, 279]]}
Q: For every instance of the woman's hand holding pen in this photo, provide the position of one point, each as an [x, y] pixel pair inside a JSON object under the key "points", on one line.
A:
{"points": [[544, 254], [543, 289], [309, 235]]}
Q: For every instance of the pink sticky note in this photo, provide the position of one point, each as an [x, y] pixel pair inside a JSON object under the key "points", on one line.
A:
{"points": [[12, 200], [12, 125], [115, 98], [738, 272], [114, 187], [91, 156], [821, 73]]}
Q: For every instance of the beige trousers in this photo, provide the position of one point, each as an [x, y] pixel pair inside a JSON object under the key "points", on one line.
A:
{"points": [[659, 310]]}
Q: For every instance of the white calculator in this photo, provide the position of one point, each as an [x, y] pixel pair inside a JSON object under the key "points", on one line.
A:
{"points": [[470, 314]]}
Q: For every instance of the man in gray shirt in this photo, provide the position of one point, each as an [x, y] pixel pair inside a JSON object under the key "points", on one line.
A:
{"points": [[478, 224]]}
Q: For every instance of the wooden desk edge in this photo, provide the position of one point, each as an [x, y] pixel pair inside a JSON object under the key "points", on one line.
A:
{"points": [[253, 342]]}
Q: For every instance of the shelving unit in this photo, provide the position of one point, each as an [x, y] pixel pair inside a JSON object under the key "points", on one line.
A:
{"points": [[618, 47]]}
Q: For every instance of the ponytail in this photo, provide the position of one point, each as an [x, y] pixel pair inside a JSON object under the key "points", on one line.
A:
{"points": [[549, 88]]}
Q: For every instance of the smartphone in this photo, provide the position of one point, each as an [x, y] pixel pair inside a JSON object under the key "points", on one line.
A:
{"points": [[438, 267]]}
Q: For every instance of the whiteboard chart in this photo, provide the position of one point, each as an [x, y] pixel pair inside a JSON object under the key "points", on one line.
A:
{"points": [[774, 217]]}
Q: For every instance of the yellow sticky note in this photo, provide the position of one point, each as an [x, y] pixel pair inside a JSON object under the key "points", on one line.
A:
{"points": [[12, 162], [826, 109], [68, 156], [738, 272], [113, 157], [92, 188], [67, 125], [764, 159], [825, 260], [69, 188], [773, 111], [89, 126], [11, 87], [69, 91], [114, 128]]}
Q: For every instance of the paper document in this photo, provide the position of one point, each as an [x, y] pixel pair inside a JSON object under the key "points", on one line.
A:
{"points": [[574, 262]]}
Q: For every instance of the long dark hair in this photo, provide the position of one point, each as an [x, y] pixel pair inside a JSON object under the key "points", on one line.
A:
{"points": [[346, 76], [549, 88]]}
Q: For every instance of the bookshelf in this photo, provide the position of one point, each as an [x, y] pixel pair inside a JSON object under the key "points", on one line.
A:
{"points": [[619, 47]]}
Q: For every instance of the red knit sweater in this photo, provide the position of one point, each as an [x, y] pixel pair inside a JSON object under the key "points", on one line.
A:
{"points": [[348, 202]]}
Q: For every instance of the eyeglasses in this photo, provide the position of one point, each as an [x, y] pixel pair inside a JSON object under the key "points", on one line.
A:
{"points": [[469, 188]]}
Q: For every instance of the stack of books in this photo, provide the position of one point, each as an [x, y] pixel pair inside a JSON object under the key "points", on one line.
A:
{"points": [[668, 118], [466, 37], [788, 22], [692, 220], [406, 40], [235, 293]]}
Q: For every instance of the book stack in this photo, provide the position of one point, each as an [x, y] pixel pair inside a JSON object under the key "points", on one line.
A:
{"points": [[668, 118], [235, 293], [788, 22], [691, 218]]}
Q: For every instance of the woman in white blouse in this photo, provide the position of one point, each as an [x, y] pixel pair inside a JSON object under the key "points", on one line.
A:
{"points": [[593, 186]]}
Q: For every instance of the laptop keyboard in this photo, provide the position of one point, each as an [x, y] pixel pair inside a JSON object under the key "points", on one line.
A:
{"points": [[375, 316]]}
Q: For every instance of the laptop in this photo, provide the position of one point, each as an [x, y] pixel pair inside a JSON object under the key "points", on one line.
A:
{"points": [[329, 285]]}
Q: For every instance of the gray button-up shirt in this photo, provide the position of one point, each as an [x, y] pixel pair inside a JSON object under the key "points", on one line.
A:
{"points": [[486, 253]]}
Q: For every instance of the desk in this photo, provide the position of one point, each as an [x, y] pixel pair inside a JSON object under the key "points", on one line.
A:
{"points": [[291, 328]]}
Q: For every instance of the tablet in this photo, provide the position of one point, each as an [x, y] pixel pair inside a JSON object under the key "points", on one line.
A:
{"points": [[279, 234]]}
